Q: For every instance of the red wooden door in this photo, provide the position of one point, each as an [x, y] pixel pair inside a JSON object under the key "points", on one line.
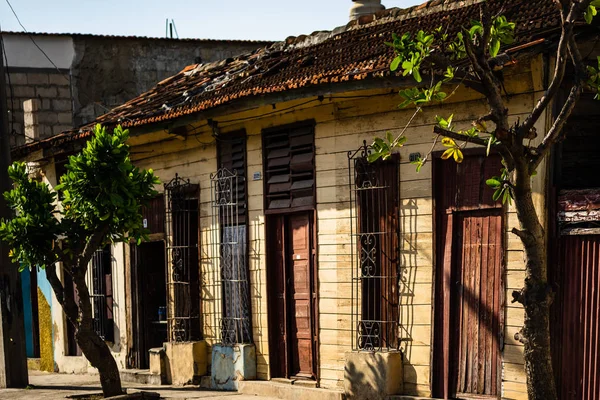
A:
{"points": [[300, 254], [292, 295], [577, 329], [468, 286], [475, 303]]}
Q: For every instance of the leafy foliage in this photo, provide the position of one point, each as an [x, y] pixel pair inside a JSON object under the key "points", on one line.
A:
{"points": [[102, 189], [502, 187]]}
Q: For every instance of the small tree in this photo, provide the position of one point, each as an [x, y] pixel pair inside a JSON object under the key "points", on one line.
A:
{"points": [[473, 57], [102, 193]]}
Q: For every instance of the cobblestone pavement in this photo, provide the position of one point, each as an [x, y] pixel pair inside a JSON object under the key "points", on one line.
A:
{"points": [[46, 386]]}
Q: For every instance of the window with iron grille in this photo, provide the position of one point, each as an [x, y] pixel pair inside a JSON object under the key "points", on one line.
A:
{"points": [[374, 193], [99, 279], [183, 277], [230, 239]]}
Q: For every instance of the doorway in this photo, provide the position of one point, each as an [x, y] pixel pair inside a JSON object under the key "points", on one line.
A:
{"points": [[149, 303], [468, 280], [292, 295]]}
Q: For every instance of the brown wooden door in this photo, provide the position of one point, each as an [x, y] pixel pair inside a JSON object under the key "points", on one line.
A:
{"points": [[300, 254], [292, 295], [475, 292], [277, 296], [469, 287], [576, 328]]}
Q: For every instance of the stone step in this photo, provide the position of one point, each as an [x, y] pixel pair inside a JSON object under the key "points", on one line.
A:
{"points": [[291, 390], [142, 376]]}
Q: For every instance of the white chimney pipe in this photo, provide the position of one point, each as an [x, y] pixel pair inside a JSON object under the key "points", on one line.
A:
{"points": [[365, 7]]}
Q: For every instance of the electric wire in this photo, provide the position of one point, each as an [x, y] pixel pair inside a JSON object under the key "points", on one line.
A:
{"points": [[13, 131], [66, 77]]}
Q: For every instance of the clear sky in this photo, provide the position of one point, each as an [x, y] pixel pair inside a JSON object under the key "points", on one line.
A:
{"points": [[212, 19]]}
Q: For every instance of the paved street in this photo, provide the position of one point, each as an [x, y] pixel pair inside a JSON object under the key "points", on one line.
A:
{"points": [[48, 386]]}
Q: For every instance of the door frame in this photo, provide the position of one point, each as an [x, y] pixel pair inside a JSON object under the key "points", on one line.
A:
{"points": [[273, 318], [436, 180]]}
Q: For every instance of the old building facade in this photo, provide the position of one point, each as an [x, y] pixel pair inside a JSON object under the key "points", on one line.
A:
{"points": [[313, 266]]}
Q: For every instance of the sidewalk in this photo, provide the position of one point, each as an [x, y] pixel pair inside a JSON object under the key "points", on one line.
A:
{"points": [[48, 386]]}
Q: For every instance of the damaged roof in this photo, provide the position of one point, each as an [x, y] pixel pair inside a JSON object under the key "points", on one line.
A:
{"points": [[350, 53]]}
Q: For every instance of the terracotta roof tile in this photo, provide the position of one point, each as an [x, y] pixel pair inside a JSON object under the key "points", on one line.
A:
{"points": [[354, 53]]}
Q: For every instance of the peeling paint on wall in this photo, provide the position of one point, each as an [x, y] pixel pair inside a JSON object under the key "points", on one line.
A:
{"points": [[46, 345]]}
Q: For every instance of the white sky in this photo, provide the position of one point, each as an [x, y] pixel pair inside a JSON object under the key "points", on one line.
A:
{"points": [[209, 19]]}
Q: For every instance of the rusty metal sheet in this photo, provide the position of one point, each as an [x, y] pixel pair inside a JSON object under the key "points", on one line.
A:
{"points": [[577, 333], [578, 200]]}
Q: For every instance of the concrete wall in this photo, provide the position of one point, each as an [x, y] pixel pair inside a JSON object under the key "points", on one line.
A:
{"points": [[96, 73], [108, 72]]}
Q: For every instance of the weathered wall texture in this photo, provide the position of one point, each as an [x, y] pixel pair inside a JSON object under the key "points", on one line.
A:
{"points": [[107, 72], [53, 91], [95, 73]]}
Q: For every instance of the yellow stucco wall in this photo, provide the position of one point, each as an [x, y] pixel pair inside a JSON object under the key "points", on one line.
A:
{"points": [[342, 123], [46, 326]]}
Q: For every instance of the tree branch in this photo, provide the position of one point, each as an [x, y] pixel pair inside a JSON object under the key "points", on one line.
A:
{"points": [[94, 241], [67, 302], [457, 136], [554, 133], [575, 12]]}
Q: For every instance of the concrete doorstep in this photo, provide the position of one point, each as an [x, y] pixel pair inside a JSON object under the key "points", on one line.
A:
{"points": [[286, 391]]}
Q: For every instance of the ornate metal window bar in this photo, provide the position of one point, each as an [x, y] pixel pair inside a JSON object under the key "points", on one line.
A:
{"points": [[100, 282], [231, 256], [374, 213], [183, 284]]}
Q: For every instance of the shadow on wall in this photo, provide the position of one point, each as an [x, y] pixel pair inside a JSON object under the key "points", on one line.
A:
{"points": [[408, 272], [256, 295]]}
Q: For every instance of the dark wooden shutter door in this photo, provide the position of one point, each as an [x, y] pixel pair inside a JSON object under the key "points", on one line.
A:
{"points": [[477, 278], [469, 287], [277, 286]]}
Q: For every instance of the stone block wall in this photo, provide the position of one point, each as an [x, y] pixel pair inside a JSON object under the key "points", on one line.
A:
{"points": [[53, 91]]}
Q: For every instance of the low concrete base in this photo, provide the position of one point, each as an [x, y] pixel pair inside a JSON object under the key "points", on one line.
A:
{"points": [[158, 363], [185, 362], [373, 376], [232, 364], [287, 391], [142, 376]]}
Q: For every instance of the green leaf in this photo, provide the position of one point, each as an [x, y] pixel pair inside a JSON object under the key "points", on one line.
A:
{"points": [[105, 217], [395, 63], [417, 75], [497, 194], [494, 47], [493, 182]]}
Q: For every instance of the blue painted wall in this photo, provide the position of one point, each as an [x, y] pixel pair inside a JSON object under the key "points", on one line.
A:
{"points": [[27, 311]]}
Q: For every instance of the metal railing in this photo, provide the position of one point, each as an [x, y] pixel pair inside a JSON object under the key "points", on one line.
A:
{"points": [[375, 251], [230, 254]]}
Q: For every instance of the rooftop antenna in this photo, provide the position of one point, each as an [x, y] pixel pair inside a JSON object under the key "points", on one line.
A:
{"points": [[169, 27]]}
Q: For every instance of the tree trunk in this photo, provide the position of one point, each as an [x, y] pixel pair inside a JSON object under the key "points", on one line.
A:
{"points": [[536, 296], [92, 345], [98, 354]]}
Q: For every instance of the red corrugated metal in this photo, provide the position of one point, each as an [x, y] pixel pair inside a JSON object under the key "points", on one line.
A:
{"points": [[576, 351]]}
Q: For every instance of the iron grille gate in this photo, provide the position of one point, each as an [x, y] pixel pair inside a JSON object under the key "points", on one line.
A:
{"points": [[230, 255], [100, 282], [375, 251], [181, 231]]}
